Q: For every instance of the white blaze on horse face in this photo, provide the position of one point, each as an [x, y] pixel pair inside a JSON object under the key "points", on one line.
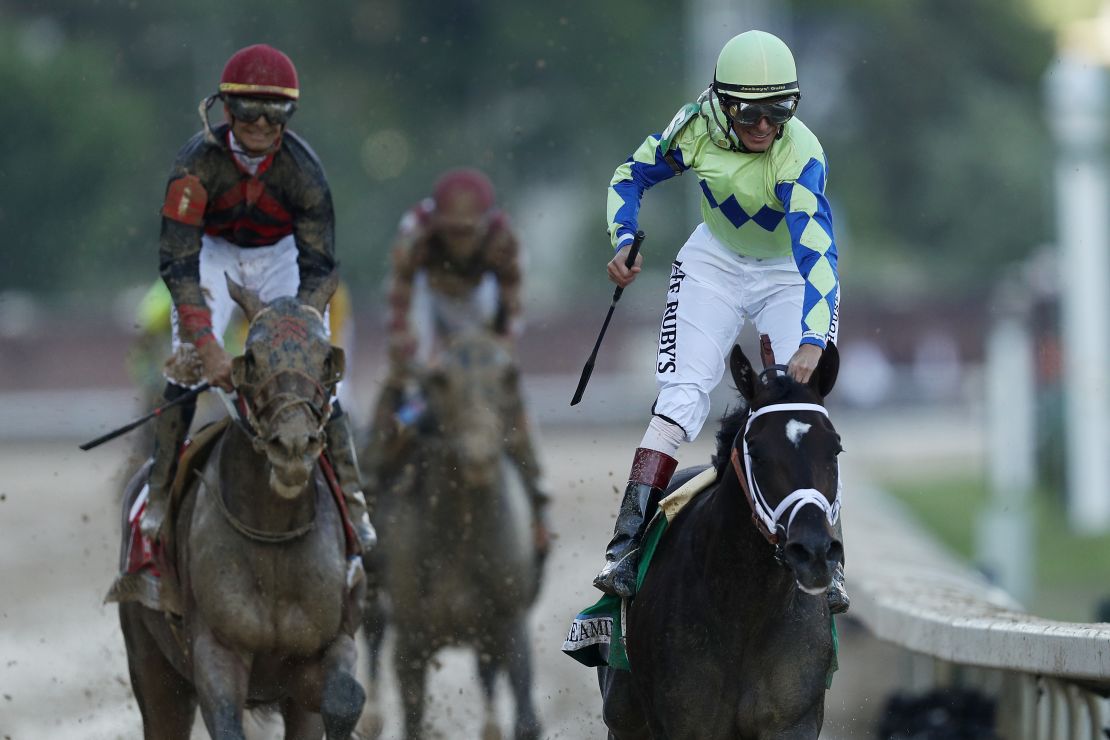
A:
{"points": [[795, 430]]}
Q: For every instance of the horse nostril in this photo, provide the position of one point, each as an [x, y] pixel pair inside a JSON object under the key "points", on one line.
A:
{"points": [[285, 446], [835, 553], [796, 552]]}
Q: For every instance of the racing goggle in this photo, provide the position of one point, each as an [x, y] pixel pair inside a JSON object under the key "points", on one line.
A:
{"points": [[249, 110], [748, 113]]}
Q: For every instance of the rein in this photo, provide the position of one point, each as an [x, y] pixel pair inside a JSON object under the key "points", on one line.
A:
{"points": [[257, 402], [766, 518], [283, 390], [253, 533]]}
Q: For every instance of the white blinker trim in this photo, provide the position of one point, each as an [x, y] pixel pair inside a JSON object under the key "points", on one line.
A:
{"points": [[769, 516]]}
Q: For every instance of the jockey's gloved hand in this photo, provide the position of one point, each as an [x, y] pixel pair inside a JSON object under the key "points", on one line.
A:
{"points": [[217, 364], [804, 362]]}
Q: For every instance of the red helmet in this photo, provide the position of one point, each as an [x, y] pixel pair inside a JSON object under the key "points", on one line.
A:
{"points": [[454, 182], [260, 70]]}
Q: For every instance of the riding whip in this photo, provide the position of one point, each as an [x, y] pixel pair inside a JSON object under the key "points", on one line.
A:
{"points": [[588, 370], [186, 396]]}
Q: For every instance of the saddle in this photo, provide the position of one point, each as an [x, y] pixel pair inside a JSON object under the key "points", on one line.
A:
{"points": [[596, 635], [148, 572]]}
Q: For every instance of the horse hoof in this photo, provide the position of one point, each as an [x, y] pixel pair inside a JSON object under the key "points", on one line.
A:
{"points": [[371, 725], [529, 731], [342, 705], [490, 731]]}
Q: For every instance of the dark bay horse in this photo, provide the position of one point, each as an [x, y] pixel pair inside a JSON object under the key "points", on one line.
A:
{"points": [[456, 560], [269, 609], [729, 635]]}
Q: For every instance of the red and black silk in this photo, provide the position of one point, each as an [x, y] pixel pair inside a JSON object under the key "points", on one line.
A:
{"points": [[210, 192]]}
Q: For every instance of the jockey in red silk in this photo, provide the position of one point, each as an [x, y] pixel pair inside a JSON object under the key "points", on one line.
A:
{"points": [[456, 265], [248, 198]]}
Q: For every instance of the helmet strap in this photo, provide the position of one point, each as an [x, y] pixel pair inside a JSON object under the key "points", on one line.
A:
{"points": [[203, 109], [725, 128]]}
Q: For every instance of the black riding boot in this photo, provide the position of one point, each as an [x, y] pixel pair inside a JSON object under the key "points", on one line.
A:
{"points": [[651, 472], [341, 453], [171, 427], [837, 593]]}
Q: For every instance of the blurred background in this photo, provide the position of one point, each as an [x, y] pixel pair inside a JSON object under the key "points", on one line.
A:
{"points": [[966, 144]]}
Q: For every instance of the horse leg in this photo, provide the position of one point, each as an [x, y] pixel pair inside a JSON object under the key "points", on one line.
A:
{"points": [[327, 686], [488, 669], [301, 723], [621, 708], [519, 662], [807, 727], [221, 677], [166, 700], [373, 628], [411, 663], [343, 697]]}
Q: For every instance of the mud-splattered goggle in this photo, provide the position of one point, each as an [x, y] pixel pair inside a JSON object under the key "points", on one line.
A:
{"points": [[249, 110], [748, 113]]}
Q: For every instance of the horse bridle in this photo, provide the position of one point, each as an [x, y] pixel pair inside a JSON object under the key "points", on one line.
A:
{"points": [[255, 402], [766, 518], [280, 391]]}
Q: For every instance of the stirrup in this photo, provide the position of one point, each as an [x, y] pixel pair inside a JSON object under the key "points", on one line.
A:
{"points": [[837, 593], [618, 577], [366, 534], [152, 520]]}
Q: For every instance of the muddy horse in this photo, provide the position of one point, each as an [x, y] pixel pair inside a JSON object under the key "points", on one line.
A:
{"points": [[270, 601], [729, 634], [456, 562]]}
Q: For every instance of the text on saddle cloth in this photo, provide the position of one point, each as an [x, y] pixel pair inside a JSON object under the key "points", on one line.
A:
{"points": [[596, 635]]}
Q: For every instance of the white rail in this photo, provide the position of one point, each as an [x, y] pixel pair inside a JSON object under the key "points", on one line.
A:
{"points": [[1049, 678]]}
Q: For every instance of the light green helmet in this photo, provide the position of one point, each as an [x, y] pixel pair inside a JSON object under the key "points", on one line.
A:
{"points": [[755, 65]]}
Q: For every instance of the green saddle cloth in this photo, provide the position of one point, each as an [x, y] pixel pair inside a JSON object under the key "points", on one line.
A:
{"points": [[596, 636]]}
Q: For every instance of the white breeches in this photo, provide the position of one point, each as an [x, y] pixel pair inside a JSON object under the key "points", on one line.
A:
{"points": [[269, 271], [434, 318], [711, 293]]}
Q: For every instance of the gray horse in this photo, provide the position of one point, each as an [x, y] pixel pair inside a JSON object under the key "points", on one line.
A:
{"points": [[268, 606], [456, 562]]}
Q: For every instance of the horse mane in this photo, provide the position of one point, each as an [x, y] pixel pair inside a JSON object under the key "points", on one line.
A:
{"points": [[775, 387]]}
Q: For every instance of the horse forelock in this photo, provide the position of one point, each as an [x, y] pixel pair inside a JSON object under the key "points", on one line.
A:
{"points": [[287, 319], [775, 388]]}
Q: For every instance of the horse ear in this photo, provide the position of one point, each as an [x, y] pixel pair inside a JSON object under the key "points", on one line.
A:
{"points": [[828, 367], [238, 371], [247, 299], [743, 376], [337, 366], [319, 297]]}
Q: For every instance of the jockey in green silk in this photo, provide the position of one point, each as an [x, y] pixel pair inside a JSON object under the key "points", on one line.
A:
{"points": [[764, 253]]}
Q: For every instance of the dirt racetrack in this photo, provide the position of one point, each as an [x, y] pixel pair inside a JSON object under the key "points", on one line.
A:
{"points": [[63, 670]]}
